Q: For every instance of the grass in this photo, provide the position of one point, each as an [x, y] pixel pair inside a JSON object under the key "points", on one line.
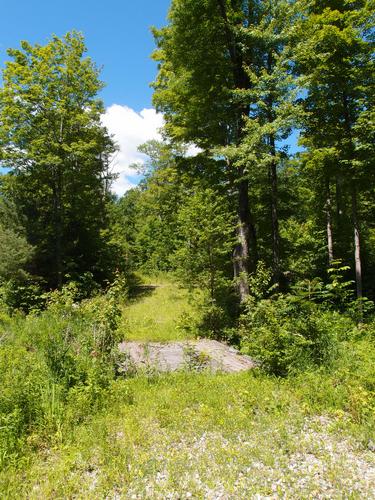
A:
{"points": [[193, 435], [158, 312], [204, 436]]}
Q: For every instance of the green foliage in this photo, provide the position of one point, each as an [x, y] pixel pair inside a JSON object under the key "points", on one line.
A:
{"points": [[67, 412], [18, 289], [23, 294], [286, 335], [55, 366], [194, 87], [58, 152], [144, 221], [23, 374], [206, 240], [361, 310], [333, 56], [260, 282], [229, 77], [304, 244], [15, 252], [293, 332], [203, 255], [195, 425], [123, 227], [337, 292]]}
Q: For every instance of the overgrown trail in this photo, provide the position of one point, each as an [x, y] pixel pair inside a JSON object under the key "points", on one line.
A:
{"points": [[192, 434], [157, 312], [158, 334]]}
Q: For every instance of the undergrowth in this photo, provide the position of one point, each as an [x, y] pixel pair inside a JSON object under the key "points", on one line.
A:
{"points": [[70, 426], [55, 368], [162, 425]]}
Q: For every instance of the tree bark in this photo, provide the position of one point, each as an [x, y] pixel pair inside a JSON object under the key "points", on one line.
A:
{"points": [[245, 252], [242, 249], [58, 222], [357, 243], [329, 223], [357, 240], [274, 213]]}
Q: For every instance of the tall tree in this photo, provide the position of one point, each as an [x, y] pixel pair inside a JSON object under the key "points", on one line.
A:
{"points": [[334, 58], [271, 101], [52, 139], [223, 85], [201, 67]]}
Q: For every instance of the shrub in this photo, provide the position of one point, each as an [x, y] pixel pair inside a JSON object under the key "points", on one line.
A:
{"points": [[288, 335], [24, 293], [23, 374], [55, 366]]}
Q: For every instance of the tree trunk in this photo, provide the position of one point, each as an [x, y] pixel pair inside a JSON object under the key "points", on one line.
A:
{"points": [[329, 222], [274, 213], [58, 222], [357, 243], [245, 252], [241, 253]]}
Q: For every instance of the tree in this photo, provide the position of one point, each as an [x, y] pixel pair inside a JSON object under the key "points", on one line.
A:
{"points": [[206, 232], [334, 59], [15, 252], [203, 252], [271, 98], [201, 70], [58, 151], [224, 85], [161, 193]]}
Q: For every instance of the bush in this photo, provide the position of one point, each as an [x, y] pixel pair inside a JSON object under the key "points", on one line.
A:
{"points": [[23, 293], [55, 366], [23, 374], [286, 335]]}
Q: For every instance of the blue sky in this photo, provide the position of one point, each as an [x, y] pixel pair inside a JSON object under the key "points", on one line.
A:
{"points": [[117, 34]]}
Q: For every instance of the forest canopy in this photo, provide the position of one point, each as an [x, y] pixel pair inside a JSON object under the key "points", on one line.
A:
{"points": [[239, 83]]}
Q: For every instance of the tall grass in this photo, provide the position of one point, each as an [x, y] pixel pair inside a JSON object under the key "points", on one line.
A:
{"points": [[54, 369], [185, 433], [160, 311], [70, 428]]}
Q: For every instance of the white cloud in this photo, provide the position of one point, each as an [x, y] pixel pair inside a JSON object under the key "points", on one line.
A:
{"points": [[193, 150], [130, 129], [123, 184]]}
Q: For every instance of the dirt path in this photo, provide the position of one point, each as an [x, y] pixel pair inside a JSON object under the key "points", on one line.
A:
{"points": [[194, 354]]}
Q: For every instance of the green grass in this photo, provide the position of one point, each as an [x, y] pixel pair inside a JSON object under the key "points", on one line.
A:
{"points": [[201, 436], [186, 435], [159, 312]]}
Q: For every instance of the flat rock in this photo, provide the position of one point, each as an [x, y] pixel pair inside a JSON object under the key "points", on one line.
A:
{"points": [[195, 355]]}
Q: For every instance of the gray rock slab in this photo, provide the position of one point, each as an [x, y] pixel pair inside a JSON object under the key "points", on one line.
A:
{"points": [[195, 355]]}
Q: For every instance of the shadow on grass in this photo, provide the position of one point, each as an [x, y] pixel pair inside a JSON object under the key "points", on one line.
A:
{"points": [[142, 291], [138, 290]]}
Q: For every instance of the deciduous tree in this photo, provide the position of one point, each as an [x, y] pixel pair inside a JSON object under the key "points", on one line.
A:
{"points": [[58, 151]]}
